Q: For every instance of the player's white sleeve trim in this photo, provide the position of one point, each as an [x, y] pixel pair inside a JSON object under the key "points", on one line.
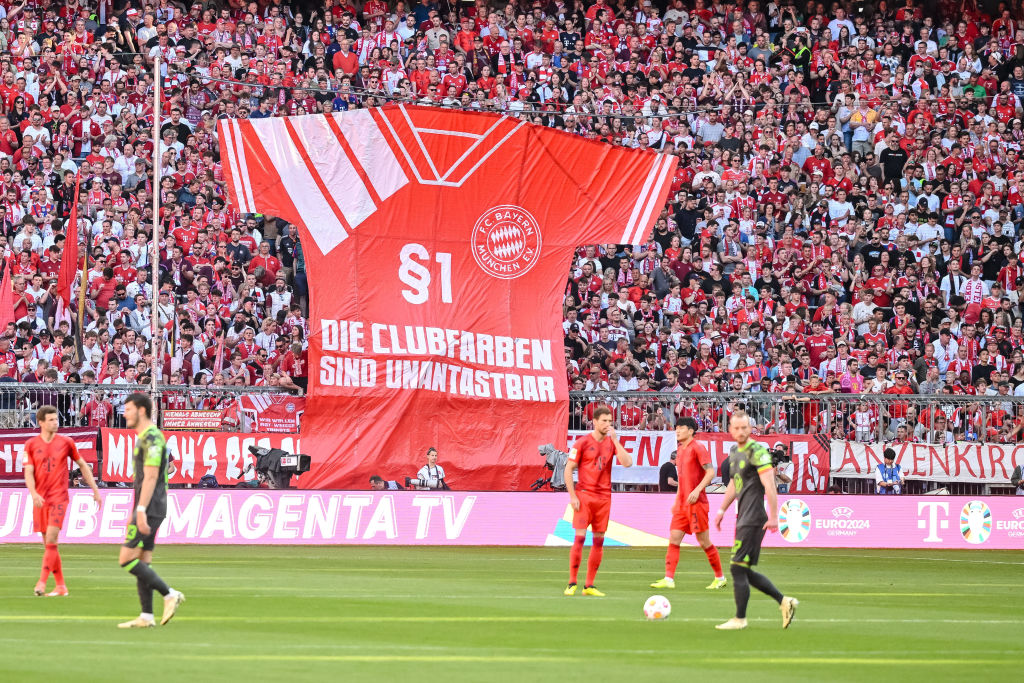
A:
{"points": [[572, 454]]}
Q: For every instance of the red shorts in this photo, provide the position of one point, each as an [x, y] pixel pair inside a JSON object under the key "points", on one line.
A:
{"points": [[690, 519], [51, 514], [594, 512]]}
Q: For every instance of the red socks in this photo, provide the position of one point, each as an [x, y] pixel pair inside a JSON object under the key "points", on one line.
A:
{"points": [[671, 560], [713, 559], [594, 560], [51, 563], [575, 558], [44, 574]]}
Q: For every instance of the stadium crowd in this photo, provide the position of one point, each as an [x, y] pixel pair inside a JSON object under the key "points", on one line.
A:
{"points": [[845, 216], [76, 98]]}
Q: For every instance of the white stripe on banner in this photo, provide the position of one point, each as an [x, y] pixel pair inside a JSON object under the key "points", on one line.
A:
{"points": [[236, 172], [419, 142], [472, 148], [340, 178], [372, 151], [494, 148], [640, 200], [314, 211], [243, 164], [652, 200]]}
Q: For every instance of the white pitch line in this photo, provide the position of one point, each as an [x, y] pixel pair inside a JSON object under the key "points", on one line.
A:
{"points": [[533, 658]]}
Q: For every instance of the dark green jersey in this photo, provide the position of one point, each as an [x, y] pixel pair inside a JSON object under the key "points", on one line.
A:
{"points": [[745, 466], [151, 451]]}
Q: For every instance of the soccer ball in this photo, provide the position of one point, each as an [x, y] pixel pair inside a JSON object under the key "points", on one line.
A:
{"points": [[657, 608]]}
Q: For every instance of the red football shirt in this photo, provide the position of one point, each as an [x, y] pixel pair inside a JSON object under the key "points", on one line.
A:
{"points": [[50, 461], [816, 345], [594, 459], [690, 463], [443, 236]]}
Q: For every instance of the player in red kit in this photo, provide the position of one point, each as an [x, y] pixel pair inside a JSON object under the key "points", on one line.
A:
{"points": [[45, 461], [690, 513], [591, 496]]}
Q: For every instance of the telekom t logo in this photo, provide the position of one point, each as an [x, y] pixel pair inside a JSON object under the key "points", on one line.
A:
{"points": [[932, 522]]}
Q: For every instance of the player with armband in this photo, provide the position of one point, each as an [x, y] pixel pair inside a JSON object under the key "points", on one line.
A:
{"points": [[591, 496]]}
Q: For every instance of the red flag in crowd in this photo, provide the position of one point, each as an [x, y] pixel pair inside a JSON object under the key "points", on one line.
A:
{"points": [[69, 258], [6, 296], [102, 374]]}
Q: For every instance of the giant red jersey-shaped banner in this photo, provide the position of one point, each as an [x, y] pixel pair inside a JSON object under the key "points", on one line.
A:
{"points": [[437, 244]]}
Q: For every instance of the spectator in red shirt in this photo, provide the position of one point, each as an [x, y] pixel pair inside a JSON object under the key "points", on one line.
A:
{"points": [[102, 290], [264, 266]]}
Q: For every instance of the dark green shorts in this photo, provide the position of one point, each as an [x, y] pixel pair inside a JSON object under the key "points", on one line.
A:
{"points": [[747, 547], [133, 539]]}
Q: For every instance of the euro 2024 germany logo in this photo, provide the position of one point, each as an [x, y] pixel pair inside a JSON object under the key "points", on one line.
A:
{"points": [[794, 520], [506, 242], [976, 522]]}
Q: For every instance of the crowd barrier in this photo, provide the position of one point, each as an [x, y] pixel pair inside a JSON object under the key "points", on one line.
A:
{"points": [[816, 460], [519, 519], [12, 443], [970, 418], [19, 400], [643, 420], [651, 449], [975, 463], [200, 420], [224, 455]]}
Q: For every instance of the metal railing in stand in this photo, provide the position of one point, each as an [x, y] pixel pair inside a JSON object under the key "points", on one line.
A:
{"points": [[19, 401], [927, 418], [934, 419]]}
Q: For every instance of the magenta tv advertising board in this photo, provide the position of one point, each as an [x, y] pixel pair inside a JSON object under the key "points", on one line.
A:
{"points": [[524, 519]]}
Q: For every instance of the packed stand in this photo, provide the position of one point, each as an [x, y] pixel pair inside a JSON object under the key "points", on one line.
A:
{"points": [[76, 95], [844, 218]]}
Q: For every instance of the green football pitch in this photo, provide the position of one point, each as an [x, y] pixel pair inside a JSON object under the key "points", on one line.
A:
{"points": [[497, 614]]}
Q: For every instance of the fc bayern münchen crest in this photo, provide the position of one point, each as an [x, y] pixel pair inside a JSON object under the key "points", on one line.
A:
{"points": [[506, 242]]}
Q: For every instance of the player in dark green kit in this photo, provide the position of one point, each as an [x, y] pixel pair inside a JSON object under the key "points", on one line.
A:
{"points": [[151, 461], [753, 478]]}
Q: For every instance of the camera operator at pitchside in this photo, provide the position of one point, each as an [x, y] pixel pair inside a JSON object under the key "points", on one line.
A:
{"points": [[783, 465], [430, 476]]}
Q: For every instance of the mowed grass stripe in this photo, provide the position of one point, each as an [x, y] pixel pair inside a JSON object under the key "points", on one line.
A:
{"points": [[745, 652]]}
